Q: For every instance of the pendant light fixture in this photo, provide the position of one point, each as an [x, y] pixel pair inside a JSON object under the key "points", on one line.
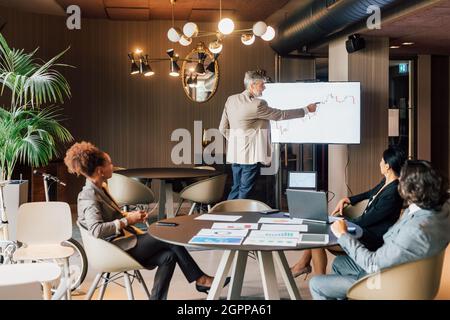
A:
{"points": [[225, 27]]}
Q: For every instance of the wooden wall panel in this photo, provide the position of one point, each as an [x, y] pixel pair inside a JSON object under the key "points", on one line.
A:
{"points": [[440, 142], [371, 67], [132, 118]]}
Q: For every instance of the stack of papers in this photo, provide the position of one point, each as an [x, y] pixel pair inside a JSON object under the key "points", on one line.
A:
{"points": [[275, 232]]}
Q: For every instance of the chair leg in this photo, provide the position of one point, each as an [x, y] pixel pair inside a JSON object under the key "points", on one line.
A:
{"points": [[179, 207], [67, 278], [126, 280], [94, 284], [142, 282], [209, 207], [103, 287], [192, 208]]}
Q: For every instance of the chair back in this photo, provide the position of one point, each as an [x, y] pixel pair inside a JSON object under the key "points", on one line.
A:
{"points": [[239, 205], [356, 210], [44, 223], [105, 256], [128, 191], [206, 191], [418, 280]]}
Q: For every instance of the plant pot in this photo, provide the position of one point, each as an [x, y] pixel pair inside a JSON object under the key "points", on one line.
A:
{"points": [[15, 193]]}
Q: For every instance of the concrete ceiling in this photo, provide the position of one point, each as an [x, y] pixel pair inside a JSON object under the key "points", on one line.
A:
{"points": [[428, 29], [194, 10], [36, 6]]}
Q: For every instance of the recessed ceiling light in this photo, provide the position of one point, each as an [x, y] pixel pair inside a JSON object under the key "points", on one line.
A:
{"points": [[394, 47], [408, 43]]}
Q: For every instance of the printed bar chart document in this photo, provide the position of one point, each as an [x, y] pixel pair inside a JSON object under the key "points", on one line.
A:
{"points": [[273, 242], [281, 220]]}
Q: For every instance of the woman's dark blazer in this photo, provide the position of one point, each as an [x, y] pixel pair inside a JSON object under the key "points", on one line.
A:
{"points": [[380, 215]]}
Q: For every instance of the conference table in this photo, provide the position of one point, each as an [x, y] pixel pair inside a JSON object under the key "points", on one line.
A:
{"points": [[165, 176], [188, 227]]}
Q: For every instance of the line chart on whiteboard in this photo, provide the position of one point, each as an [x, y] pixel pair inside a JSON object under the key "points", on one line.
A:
{"points": [[336, 120]]}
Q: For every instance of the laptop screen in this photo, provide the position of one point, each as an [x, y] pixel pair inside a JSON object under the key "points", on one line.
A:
{"points": [[306, 180]]}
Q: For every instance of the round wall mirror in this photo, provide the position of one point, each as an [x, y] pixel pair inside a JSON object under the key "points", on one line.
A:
{"points": [[200, 74]]}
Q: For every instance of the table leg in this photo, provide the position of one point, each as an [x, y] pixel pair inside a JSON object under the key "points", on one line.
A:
{"points": [[169, 201], [221, 274], [237, 277], [47, 290], [286, 274], [269, 279], [162, 199]]}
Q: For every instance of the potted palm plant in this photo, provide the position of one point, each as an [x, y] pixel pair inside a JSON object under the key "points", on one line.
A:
{"points": [[30, 128]]}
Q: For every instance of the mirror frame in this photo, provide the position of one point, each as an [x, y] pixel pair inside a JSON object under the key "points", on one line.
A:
{"points": [[200, 48]]}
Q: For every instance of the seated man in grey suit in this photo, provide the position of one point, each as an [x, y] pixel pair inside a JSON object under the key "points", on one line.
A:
{"points": [[421, 232]]}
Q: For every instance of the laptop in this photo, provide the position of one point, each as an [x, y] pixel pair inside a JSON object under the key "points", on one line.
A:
{"points": [[311, 205]]}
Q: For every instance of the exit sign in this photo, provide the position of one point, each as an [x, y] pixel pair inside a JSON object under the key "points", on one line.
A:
{"points": [[403, 68]]}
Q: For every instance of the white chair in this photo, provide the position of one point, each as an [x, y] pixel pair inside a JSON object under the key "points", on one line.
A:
{"points": [[19, 281], [41, 228], [128, 191], [206, 191], [418, 280], [239, 205], [108, 258]]}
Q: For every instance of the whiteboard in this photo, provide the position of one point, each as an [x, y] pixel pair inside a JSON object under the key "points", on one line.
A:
{"points": [[336, 121]]}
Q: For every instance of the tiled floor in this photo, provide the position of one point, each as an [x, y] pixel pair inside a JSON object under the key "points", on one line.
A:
{"points": [[208, 260]]}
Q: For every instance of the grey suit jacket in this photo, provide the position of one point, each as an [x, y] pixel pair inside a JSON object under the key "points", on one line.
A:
{"points": [[245, 124], [97, 211], [415, 236]]}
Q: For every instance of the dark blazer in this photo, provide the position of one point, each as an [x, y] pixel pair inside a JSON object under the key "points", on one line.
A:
{"points": [[382, 213]]}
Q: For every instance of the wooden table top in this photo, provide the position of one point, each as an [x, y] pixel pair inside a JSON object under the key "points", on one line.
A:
{"points": [[189, 227], [167, 173]]}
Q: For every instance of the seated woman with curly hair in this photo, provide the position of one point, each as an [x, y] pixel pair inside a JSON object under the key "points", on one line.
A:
{"points": [[99, 213]]}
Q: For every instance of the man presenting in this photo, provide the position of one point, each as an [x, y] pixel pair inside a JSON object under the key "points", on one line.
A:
{"points": [[245, 124]]}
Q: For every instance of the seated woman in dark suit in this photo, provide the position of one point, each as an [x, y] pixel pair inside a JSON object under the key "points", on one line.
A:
{"points": [[382, 211], [99, 213]]}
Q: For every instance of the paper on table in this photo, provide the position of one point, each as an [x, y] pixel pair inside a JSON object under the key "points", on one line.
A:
{"points": [[274, 234], [234, 226], [216, 240], [333, 219], [218, 217], [222, 233], [285, 227], [282, 242], [281, 220]]}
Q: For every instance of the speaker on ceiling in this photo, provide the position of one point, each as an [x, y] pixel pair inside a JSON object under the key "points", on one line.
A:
{"points": [[355, 43]]}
